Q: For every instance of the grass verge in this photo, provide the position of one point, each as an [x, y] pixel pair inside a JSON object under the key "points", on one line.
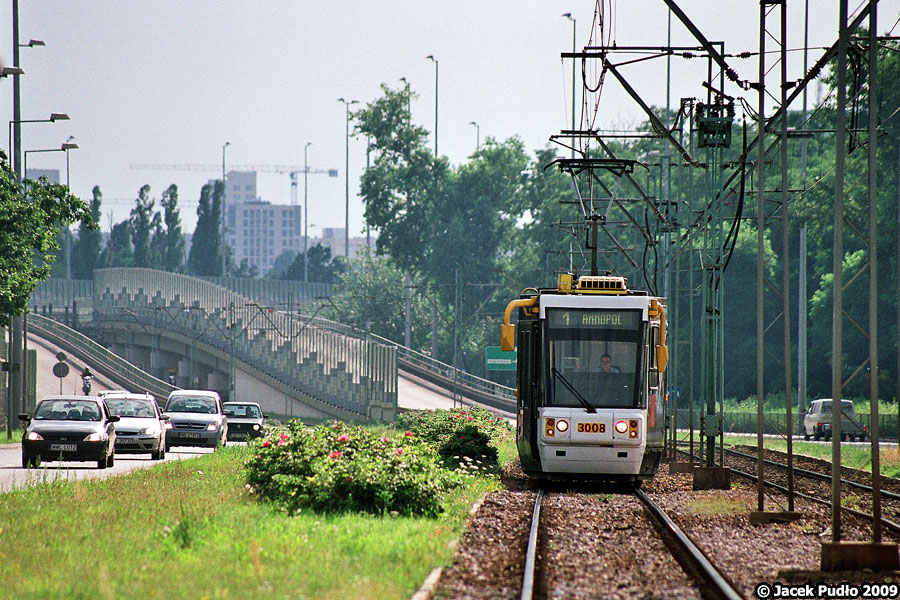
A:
{"points": [[188, 529]]}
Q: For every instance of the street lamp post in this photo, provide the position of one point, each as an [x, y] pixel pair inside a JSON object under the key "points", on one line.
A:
{"points": [[65, 147], [53, 118], [69, 145], [224, 193], [571, 18], [305, 218], [347, 176], [477, 135], [432, 58]]}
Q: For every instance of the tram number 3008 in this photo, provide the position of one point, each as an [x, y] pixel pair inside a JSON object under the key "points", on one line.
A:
{"points": [[591, 428]]}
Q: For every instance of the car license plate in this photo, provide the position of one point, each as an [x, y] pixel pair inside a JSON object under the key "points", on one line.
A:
{"points": [[190, 434], [124, 440], [63, 447]]}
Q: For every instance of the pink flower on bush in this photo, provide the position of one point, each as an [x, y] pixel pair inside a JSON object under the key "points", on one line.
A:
{"points": [[284, 436], [384, 439], [343, 438], [409, 434], [469, 417], [266, 444], [280, 442], [335, 455], [399, 451]]}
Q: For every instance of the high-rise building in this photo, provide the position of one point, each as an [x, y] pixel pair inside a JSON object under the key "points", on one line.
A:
{"points": [[52, 175], [255, 230]]}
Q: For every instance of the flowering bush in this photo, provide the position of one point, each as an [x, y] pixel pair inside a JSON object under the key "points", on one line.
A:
{"points": [[457, 435], [338, 467]]}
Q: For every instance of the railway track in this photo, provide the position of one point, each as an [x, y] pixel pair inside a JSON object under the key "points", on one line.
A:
{"points": [[539, 578], [815, 486]]}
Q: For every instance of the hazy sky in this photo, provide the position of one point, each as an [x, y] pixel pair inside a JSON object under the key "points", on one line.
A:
{"points": [[169, 82]]}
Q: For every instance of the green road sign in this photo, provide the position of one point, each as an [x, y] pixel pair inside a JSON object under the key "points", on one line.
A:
{"points": [[498, 360]]}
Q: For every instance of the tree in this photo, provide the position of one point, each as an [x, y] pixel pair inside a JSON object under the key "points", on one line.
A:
{"points": [[370, 298], [29, 224], [171, 241], [86, 249], [402, 186], [118, 251], [143, 223], [322, 268], [205, 259]]}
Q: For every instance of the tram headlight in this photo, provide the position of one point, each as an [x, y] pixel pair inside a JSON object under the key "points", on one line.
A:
{"points": [[621, 426], [562, 425]]}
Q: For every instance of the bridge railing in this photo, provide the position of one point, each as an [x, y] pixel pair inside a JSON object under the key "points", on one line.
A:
{"points": [[98, 357], [350, 372]]}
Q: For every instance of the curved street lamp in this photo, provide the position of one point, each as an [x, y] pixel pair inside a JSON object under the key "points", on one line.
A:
{"points": [[477, 135], [433, 59], [305, 218], [224, 194], [347, 104]]}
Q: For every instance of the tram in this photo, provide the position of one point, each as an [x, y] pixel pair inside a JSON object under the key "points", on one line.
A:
{"points": [[590, 379]]}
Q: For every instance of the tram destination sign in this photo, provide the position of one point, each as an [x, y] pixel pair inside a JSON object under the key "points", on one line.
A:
{"points": [[593, 319]]}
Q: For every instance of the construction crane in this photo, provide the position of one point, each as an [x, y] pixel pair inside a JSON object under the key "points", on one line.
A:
{"points": [[293, 171]]}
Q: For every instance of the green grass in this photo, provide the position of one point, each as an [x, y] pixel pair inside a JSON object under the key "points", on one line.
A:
{"points": [[718, 506], [189, 529], [857, 457], [16, 436]]}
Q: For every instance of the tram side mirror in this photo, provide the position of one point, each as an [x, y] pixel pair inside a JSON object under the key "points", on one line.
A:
{"points": [[662, 358], [507, 337]]}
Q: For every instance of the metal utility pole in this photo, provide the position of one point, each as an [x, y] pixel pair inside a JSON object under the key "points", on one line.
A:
{"points": [[571, 18], [837, 312], [873, 276], [17, 336], [760, 259]]}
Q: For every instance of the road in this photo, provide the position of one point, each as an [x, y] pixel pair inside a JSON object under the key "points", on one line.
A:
{"points": [[12, 475]]}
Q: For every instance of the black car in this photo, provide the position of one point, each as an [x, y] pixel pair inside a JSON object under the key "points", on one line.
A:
{"points": [[78, 428], [246, 420]]}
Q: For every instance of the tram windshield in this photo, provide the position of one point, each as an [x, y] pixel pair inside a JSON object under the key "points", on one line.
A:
{"points": [[595, 357]]}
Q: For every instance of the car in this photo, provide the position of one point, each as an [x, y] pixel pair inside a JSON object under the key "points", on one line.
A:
{"points": [[817, 421], [78, 428], [246, 420], [141, 428], [196, 418]]}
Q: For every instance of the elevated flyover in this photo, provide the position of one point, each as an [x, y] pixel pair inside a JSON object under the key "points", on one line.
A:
{"points": [[190, 332]]}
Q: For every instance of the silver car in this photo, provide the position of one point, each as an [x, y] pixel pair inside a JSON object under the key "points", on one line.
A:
{"points": [[141, 426], [817, 421], [196, 418]]}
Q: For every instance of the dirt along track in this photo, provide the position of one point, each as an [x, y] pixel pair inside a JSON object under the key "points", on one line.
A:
{"points": [[596, 554]]}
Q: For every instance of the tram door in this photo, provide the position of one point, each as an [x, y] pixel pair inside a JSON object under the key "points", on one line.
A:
{"points": [[527, 373]]}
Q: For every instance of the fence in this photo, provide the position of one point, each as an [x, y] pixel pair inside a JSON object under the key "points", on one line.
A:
{"points": [[774, 423]]}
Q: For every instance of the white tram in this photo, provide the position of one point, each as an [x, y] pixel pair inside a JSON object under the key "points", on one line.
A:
{"points": [[590, 380]]}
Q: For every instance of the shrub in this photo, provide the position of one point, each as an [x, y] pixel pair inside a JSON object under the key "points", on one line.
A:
{"points": [[337, 467], [471, 433]]}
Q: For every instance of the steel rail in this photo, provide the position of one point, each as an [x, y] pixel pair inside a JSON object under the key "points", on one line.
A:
{"points": [[893, 526], [815, 474], [718, 585], [531, 550]]}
